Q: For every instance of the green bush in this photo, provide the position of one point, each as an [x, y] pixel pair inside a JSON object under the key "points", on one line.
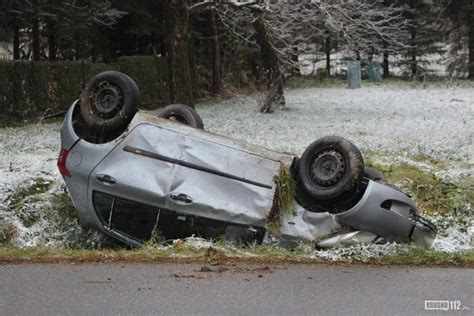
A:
{"points": [[23, 86], [65, 83], [151, 77], [28, 89]]}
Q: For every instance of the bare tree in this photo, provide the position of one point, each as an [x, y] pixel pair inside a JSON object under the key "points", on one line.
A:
{"points": [[177, 46], [292, 27]]}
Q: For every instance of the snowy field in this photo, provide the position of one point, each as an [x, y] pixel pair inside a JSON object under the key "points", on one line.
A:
{"points": [[393, 119], [391, 123]]}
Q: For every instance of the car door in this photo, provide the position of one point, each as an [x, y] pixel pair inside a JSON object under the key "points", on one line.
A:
{"points": [[188, 174]]}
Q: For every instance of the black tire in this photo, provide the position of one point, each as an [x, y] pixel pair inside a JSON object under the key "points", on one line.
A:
{"points": [[183, 114], [109, 101], [330, 170], [374, 175], [311, 204]]}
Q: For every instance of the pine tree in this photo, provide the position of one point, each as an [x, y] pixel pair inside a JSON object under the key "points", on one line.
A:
{"points": [[425, 36], [460, 14]]}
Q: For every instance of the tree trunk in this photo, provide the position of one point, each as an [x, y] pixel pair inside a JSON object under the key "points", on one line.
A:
{"points": [[386, 70], [35, 33], [357, 52], [328, 56], [93, 50], [275, 93], [77, 54], [216, 56], [52, 49], [16, 42], [414, 50], [471, 40], [193, 70], [105, 44], [176, 26]]}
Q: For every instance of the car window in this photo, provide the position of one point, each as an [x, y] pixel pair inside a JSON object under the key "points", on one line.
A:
{"points": [[140, 221], [133, 219]]}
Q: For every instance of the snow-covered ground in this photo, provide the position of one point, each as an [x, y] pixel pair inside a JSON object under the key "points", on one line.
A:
{"points": [[390, 122], [386, 118]]}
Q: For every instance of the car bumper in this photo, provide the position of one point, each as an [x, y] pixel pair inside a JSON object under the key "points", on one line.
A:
{"points": [[389, 213]]}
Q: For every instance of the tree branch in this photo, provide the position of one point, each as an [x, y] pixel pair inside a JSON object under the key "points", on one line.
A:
{"points": [[200, 6]]}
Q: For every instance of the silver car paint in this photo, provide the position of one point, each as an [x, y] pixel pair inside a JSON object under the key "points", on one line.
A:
{"points": [[83, 157], [391, 222], [152, 181]]}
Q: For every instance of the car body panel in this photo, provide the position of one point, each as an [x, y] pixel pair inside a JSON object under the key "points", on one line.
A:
{"points": [[152, 181], [83, 157], [392, 220]]}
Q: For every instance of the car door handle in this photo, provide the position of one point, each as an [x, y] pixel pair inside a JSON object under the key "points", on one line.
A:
{"points": [[180, 198], [105, 178]]}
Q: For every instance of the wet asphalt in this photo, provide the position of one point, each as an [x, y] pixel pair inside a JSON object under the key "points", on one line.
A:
{"points": [[234, 289]]}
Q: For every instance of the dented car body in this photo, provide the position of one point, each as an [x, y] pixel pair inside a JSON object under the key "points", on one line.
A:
{"points": [[160, 176]]}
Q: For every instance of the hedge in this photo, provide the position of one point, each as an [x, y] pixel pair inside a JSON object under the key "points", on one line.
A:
{"points": [[28, 89]]}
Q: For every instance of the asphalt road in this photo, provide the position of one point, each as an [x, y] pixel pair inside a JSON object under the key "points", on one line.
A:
{"points": [[234, 289]]}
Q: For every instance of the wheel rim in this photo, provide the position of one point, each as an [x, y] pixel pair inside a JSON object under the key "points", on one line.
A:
{"points": [[327, 168], [108, 99], [177, 118]]}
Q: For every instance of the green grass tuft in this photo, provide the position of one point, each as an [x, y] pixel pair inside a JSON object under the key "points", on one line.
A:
{"points": [[432, 194], [181, 252], [38, 186], [8, 231], [423, 257], [285, 192]]}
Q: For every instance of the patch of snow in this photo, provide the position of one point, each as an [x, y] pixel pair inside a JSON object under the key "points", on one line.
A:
{"points": [[362, 253], [196, 242], [387, 118], [453, 234], [26, 153], [453, 240]]}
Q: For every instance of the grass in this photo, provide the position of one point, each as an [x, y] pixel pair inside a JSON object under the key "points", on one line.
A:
{"points": [[8, 231], [432, 193], [423, 257], [16, 122], [38, 186], [284, 196], [28, 194], [181, 253]]}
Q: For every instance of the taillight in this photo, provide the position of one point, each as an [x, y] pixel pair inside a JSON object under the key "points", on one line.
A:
{"points": [[62, 162]]}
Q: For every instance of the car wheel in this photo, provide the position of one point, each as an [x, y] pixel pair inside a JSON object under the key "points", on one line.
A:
{"points": [[330, 169], [311, 204], [183, 114], [374, 175], [109, 101]]}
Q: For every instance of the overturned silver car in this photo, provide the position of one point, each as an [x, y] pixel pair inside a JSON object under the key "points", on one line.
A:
{"points": [[136, 176]]}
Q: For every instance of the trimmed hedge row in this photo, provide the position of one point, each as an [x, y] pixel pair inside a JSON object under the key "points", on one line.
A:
{"points": [[28, 89]]}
